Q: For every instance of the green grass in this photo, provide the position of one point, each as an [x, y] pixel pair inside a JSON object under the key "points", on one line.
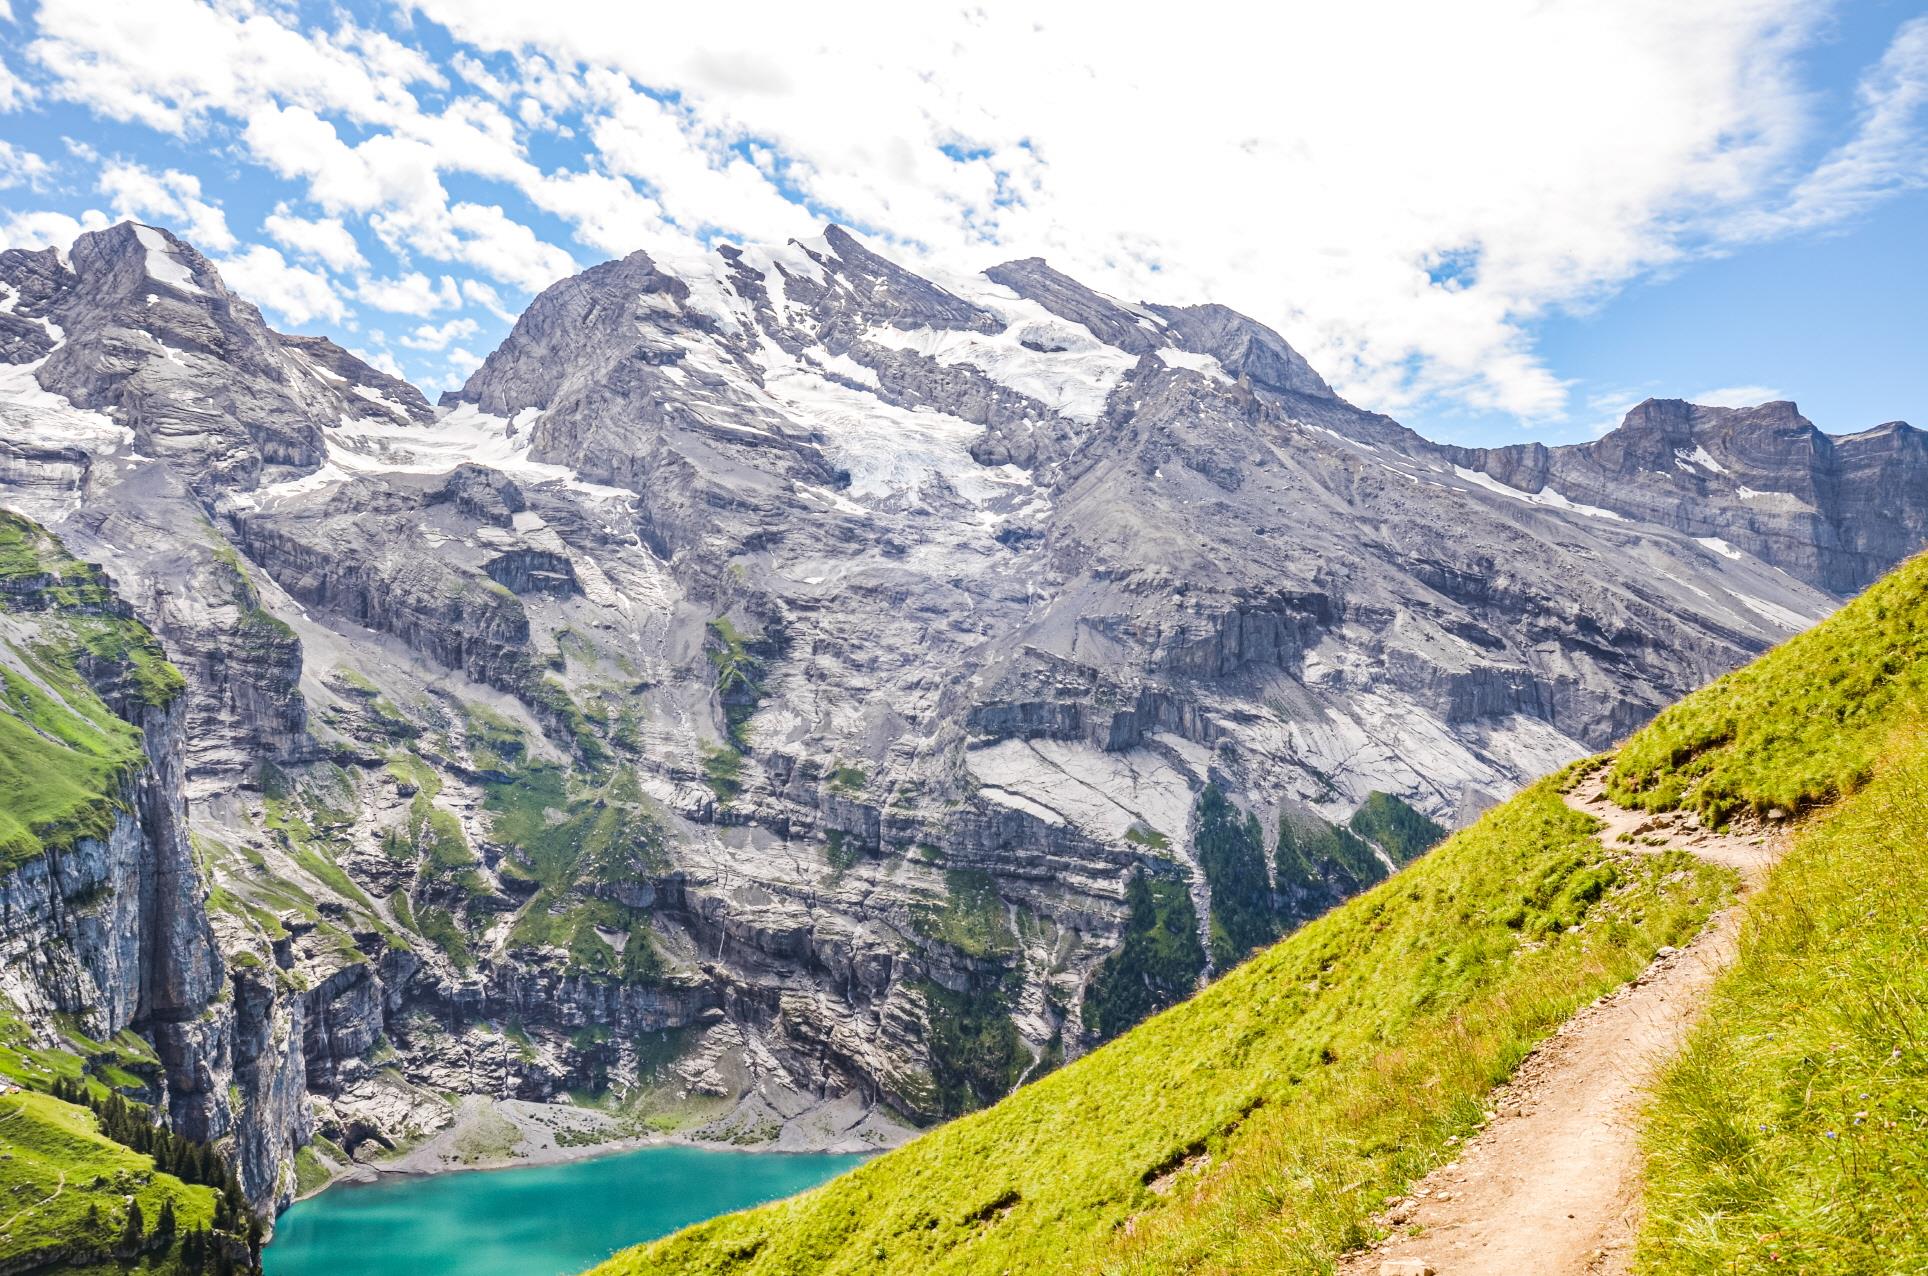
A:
{"points": [[1792, 1131], [1158, 961], [64, 754], [739, 676], [438, 926], [62, 1183], [576, 842], [723, 771], [1401, 832], [1800, 726], [971, 918], [311, 1175], [496, 743], [61, 777], [548, 695], [1320, 1076]]}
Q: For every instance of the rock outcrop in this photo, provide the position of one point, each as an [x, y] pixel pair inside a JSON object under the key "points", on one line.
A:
{"points": [[781, 680]]}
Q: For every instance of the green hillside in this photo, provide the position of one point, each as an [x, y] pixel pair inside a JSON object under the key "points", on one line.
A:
{"points": [[1256, 1127], [1792, 1131], [1802, 725], [64, 753], [1260, 1123]]}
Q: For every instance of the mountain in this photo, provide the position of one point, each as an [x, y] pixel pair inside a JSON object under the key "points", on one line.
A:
{"points": [[795, 699], [1263, 1124]]}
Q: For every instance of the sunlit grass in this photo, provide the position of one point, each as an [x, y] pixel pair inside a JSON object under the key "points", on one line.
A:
{"points": [[1792, 1132], [1257, 1126]]}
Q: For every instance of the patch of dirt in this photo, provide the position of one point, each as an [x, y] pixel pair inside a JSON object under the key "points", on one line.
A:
{"points": [[1551, 1183]]}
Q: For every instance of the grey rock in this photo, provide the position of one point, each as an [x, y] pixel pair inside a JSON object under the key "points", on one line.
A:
{"points": [[975, 583]]}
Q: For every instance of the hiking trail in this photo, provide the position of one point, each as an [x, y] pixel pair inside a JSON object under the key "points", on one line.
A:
{"points": [[1551, 1183]]}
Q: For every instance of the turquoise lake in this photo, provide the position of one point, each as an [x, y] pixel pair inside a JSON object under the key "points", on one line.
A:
{"points": [[542, 1221]]}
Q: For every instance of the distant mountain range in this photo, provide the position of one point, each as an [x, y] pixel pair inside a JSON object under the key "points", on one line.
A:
{"points": [[800, 696]]}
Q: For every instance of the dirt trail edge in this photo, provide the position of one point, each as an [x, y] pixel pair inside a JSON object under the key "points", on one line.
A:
{"points": [[1551, 1184]]}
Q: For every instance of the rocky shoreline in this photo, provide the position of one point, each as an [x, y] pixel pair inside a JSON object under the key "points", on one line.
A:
{"points": [[503, 1134]]}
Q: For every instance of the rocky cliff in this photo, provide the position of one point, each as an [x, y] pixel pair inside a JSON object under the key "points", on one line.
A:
{"points": [[787, 697]]}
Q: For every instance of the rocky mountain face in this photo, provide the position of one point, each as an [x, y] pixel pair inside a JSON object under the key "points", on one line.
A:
{"points": [[792, 698], [1835, 512]]}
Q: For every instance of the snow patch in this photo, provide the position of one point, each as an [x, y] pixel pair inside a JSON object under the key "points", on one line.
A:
{"points": [[1699, 457], [1547, 496], [464, 435], [1192, 361], [40, 417], [1785, 617], [1719, 546], [1072, 372], [162, 263]]}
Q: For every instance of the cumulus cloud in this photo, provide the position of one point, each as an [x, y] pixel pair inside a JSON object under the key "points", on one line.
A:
{"points": [[21, 167], [49, 229], [378, 358], [172, 198], [480, 294], [1407, 211], [439, 337], [295, 294], [411, 294], [322, 239], [462, 362]]}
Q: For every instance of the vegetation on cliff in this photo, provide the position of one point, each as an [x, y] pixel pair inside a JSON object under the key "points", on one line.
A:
{"points": [[70, 647], [1259, 1123], [1257, 1126]]}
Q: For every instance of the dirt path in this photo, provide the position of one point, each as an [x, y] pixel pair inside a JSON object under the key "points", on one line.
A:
{"points": [[1551, 1184], [59, 1187]]}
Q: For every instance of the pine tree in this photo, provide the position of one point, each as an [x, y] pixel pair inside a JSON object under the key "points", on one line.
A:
{"points": [[134, 1231], [164, 1224]]}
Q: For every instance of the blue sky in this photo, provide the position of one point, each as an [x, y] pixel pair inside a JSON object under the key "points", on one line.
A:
{"points": [[1496, 222]]}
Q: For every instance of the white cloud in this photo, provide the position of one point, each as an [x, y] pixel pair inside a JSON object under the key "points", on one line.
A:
{"points": [[14, 91], [1310, 170], [172, 198], [49, 229], [378, 358], [410, 294], [1888, 152], [17, 166], [433, 337], [323, 239], [1736, 396], [462, 362], [479, 293], [1562, 148], [295, 294]]}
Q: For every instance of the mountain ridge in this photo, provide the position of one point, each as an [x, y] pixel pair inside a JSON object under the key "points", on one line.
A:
{"points": [[814, 675]]}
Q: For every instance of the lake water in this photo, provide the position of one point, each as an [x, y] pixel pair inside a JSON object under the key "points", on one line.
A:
{"points": [[541, 1221]]}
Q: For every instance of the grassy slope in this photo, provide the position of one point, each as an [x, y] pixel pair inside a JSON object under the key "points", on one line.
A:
{"points": [[1793, 1129], [63, 752], [1318, 1077], [1801, 725], [58, 1166]]}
